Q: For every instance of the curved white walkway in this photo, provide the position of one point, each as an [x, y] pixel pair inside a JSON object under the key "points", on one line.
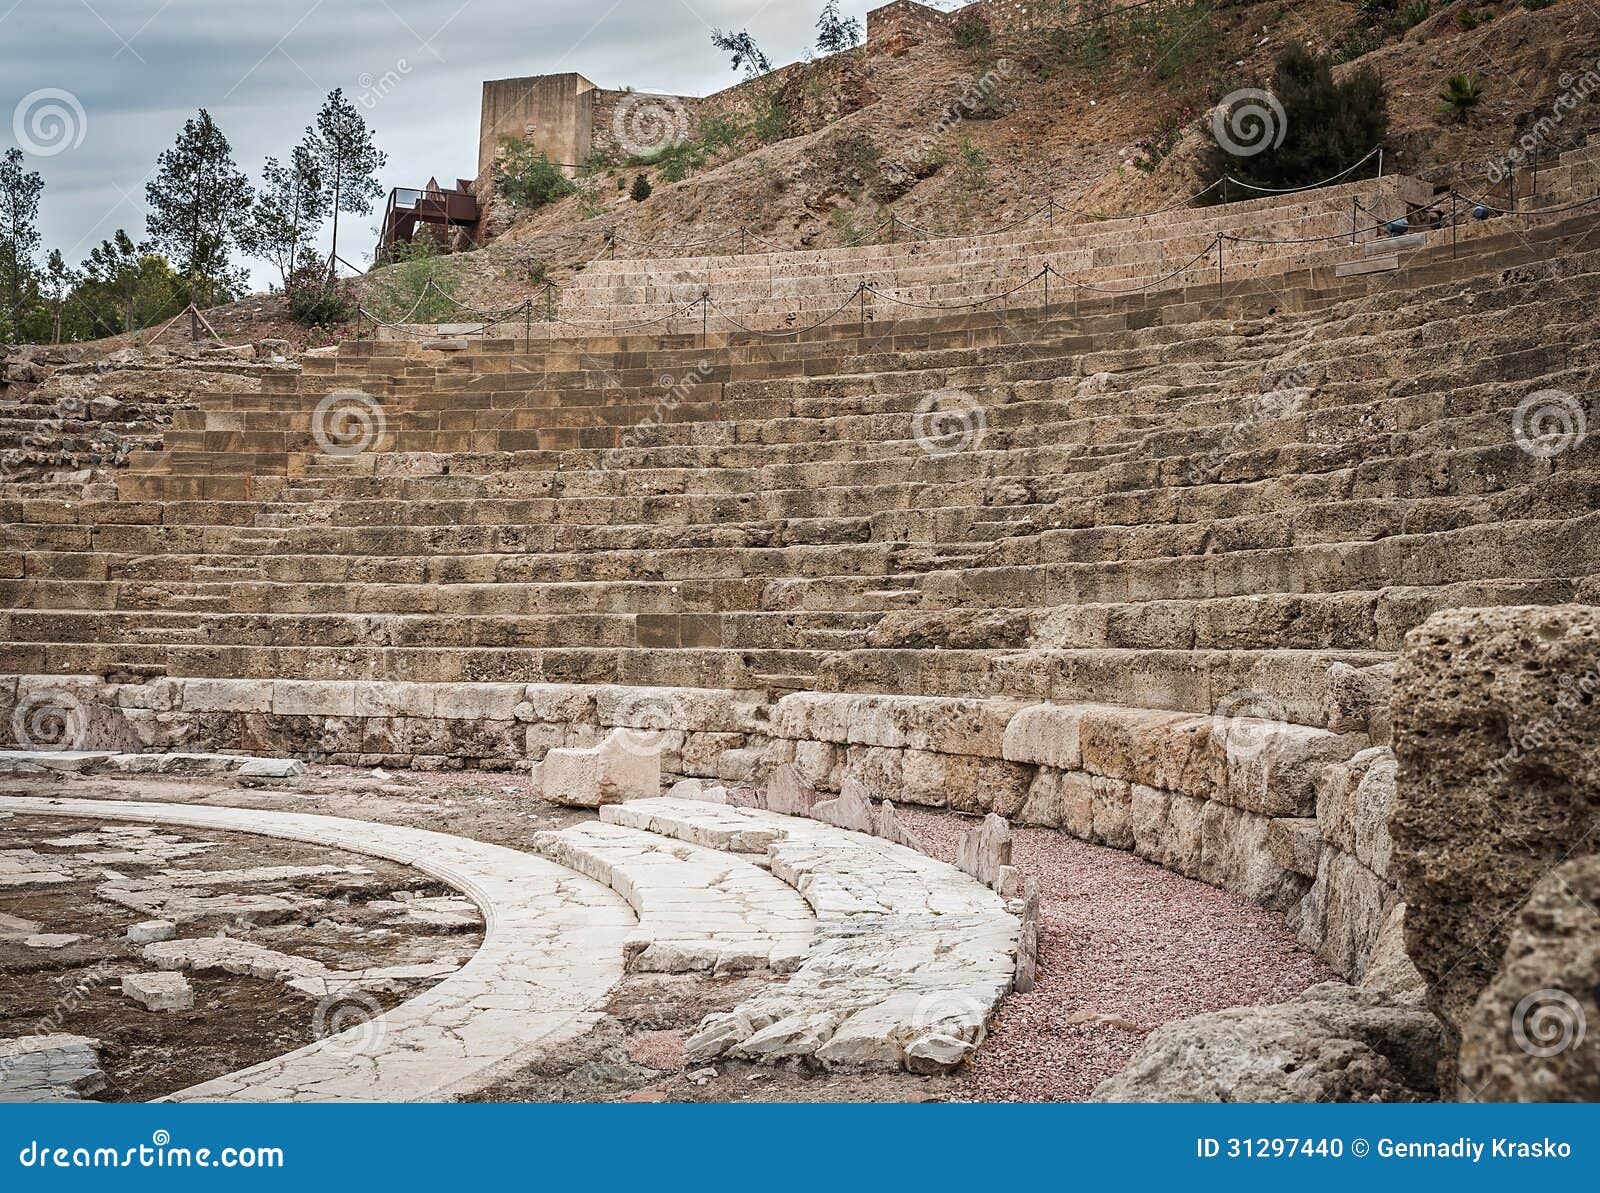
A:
{"points": [[552, 950]]}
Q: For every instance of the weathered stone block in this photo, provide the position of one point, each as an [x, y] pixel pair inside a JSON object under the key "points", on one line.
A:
{"points": [[1044, 735]]}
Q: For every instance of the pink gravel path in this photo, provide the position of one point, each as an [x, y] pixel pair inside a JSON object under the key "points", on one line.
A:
{"points": [[1124, 940]]}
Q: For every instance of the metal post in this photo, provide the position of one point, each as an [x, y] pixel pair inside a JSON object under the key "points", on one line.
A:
{"points": [[1220, 239], [527, 326], [891, 227], [1453, 235], [1355, 206], [862, 291], [1052, 210], [705, 322], [1535, 171], [1513, 190], [744, 240], [1046, 291]]}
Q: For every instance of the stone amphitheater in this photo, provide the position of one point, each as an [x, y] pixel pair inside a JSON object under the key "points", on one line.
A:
{"points": [[1261, 541]]}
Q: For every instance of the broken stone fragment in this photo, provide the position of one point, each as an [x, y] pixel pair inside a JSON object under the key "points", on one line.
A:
{"points": [[163, 991], [50, 1068], [890, 828], [983, 851], [852, 810], [151, 931], [787, 794]]}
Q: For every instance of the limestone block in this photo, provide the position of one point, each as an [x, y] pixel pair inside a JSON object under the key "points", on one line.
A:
{"points": [[1045, 735], [158, 695], [1389, 968], [1497, 732], [272, 768], [1534, 1033], [161, 991], [617, 769], [150, 931], [1276, 775], [477, 701], [814, 716], [226, 695], [946, 725], [313, 698], [818, 763], [1359, 699], [964, 782], [1147, 820], [701, 751], [1341, 913], [563, 704], [1058, 799], [740, 766], [1295, 844], [50, 1068], [395, 699], [1111, 803]]}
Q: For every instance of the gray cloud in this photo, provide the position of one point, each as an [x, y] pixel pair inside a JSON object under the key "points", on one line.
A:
{"points": [[139, 68]]}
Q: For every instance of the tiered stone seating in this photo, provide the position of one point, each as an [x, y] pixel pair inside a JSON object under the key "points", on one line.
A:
{"points": [[1276, 234], [1128, 526]]}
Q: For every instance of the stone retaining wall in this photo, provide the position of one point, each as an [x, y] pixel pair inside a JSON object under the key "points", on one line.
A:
{"points": [[1291, 817]]}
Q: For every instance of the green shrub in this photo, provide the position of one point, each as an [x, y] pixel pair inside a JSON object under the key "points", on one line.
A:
{"points": [[972, 166], [641, 189], [420, 286], [527, 178], [769, 119], [317, 299], [972, 32], [1319, 128], [722, 132]]}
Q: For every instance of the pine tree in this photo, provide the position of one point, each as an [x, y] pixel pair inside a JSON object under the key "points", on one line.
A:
{"points": [[19, 240], [834, 32], [289, 210], [342, 144], [127, 286], [200, 208]]}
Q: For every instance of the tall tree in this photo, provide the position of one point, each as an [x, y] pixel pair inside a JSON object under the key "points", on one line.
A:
{"points": [[290, 209], [747, 56], [114, 266], [127, 286], [200, 208], [342, 145], [835, 32], [59, 280], [19, 240]]}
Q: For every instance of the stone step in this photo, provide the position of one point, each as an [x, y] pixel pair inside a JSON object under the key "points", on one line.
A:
{"points": [[700, 910]]}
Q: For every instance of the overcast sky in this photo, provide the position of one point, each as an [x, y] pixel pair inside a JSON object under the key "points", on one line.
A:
{"points": [[136, 69]]}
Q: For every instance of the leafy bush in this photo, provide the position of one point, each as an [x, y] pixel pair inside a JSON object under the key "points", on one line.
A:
{"points": [[769, 119], [972, 32], [1324, 127], [641, 189], [972, 166], [526, 177], [722, 132], [419, 287], [317, 299]]}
